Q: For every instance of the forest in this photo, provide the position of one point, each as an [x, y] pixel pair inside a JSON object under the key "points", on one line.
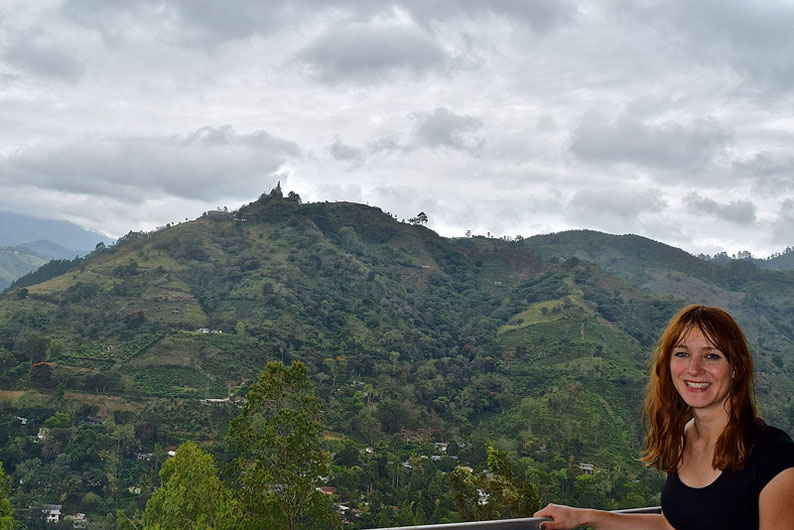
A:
{"points": [[432, 369]]}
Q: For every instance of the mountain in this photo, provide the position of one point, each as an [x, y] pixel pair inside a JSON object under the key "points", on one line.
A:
{"points": [[20, 260], [21, 229], [26, 243], [538, 347], [783, 261], [16, 262]]}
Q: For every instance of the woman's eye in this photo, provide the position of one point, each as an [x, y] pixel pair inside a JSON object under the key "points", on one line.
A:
{"points": [[713, 357], [680, 354]]}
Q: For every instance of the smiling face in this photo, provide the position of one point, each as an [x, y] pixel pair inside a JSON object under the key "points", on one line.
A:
{"points": [[700, 372]]}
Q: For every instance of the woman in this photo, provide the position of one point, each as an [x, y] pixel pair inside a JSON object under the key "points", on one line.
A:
{"points": [[725, 467]]}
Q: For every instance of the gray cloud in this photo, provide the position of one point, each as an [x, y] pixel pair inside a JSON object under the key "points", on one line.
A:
{"points": [[92, 92], [662, 145], [386, 143], [758, 36], [231, 19], [783, 225], [740, 212], [205, 164], [753, 37], [439, 128], [442, 128], [769, 171], [40, 55], [213, 22], [347, 153], [370, 53], [190, 21], [540, 15], [613, 209]]}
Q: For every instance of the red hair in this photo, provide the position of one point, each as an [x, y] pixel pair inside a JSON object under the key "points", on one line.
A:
{"points": [[666, 413]]}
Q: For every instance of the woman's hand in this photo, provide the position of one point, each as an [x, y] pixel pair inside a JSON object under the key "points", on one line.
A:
{"points": [[564, 517]]}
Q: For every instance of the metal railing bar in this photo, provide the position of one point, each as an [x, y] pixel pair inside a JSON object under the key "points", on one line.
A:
{"points": [[526, 523]]}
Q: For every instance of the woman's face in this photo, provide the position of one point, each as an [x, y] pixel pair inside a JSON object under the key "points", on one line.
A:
{"points": [[701, 373]]}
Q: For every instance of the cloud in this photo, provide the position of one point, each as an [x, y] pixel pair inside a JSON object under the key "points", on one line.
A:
{"points": [[439, 128], [347, 153], [190, 21], [443, 128], [616, 210], [753, 38], [42, 56], [212, 23], [770, 172], [539, 15], [666, 145], [205, 164], [371, 53], [740, 212], [783, 225]]}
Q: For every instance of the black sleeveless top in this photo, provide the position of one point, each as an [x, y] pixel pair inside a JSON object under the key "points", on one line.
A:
{"points": [[731, 501]]}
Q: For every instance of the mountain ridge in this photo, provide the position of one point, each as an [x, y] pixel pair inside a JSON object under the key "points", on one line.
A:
{"points": [[538, 347]]}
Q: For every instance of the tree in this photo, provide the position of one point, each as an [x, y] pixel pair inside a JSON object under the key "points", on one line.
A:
{"points": [[35, 348], [6, 511], [282, 453], [420, 219], [41, 372], [191, 495], [499, 494]]}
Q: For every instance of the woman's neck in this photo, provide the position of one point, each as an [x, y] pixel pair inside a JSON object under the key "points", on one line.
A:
{"points": [[707, 425]]}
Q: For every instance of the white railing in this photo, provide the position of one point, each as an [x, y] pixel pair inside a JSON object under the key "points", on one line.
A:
{"points": [[528, 523]]}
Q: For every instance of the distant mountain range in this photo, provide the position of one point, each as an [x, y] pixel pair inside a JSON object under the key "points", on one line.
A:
{"points": [[26, 243]]}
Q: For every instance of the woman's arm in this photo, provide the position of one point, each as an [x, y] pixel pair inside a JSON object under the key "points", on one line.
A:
{"points": [[775, 506], [568, 518]]}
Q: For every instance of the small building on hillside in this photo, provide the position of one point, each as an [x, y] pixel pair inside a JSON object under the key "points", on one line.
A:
{"points": [[52, 511], [328, 490], [587, 469], [78, 520], [218, 214]]}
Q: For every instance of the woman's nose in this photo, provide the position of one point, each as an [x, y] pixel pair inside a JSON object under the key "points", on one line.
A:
{"points": [[694, 366]]}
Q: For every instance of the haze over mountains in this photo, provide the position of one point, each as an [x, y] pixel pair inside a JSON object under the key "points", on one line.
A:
{"points": [[538, 346], [27, 242]]}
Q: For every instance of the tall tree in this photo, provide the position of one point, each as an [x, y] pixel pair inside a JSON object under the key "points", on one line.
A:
{"points": [[282, 452], [499, 494], [6, 511], [191, 495]]}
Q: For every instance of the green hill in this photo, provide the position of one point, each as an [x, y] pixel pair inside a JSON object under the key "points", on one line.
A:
{"points": [[16, 262], [538, 347]]}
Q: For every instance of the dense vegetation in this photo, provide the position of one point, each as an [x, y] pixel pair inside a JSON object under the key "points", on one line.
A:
{"points": [[428, 355]]}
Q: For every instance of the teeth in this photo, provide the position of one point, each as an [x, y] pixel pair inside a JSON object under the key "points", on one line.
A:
{"points": [[697, 385]]}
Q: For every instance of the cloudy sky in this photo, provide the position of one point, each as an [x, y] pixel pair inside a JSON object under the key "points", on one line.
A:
{"points": [[666, 118]]}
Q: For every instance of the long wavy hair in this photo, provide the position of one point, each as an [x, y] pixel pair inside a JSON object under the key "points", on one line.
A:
{"points": [[665, 411]]}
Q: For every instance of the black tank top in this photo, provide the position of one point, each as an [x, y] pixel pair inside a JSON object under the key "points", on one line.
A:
{"points": [[731, 501]]}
